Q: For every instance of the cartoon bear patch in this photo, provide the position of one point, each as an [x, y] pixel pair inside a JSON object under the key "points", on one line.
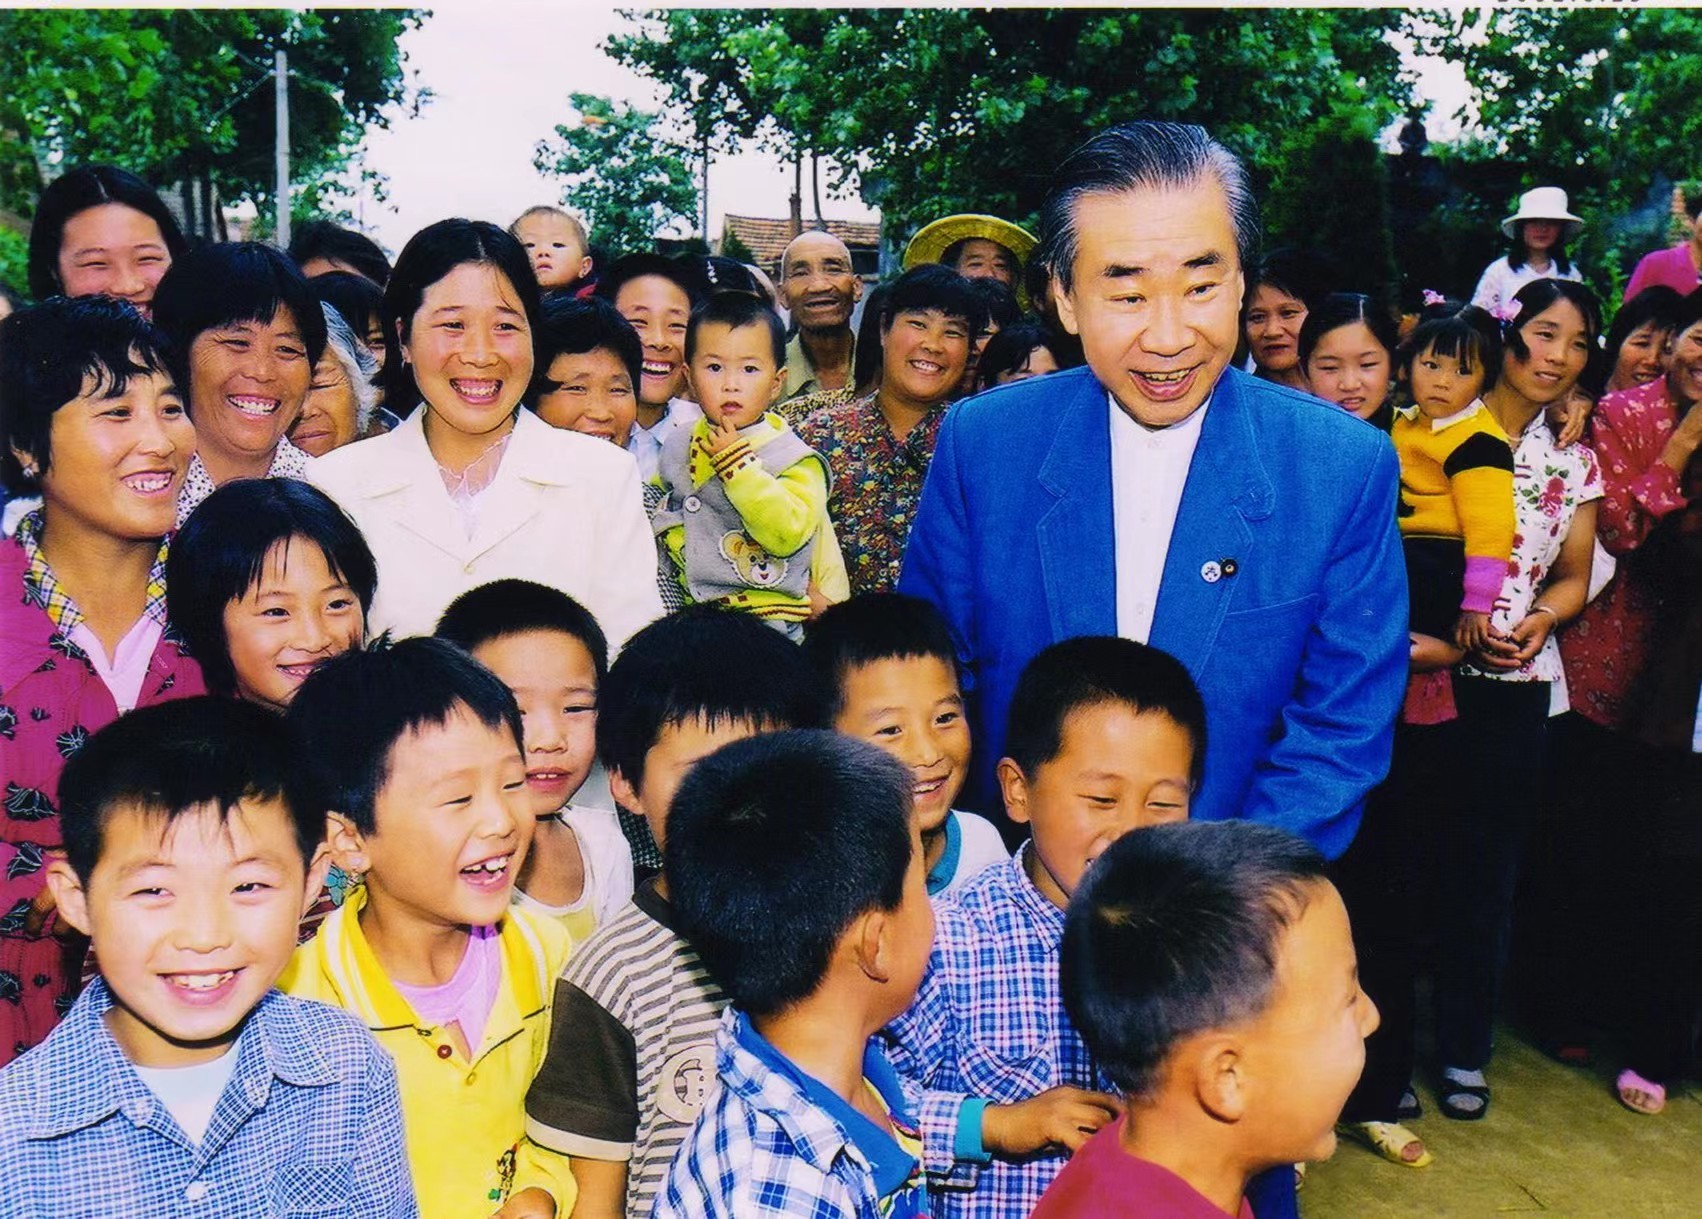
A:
{"points": [[756, 567]]}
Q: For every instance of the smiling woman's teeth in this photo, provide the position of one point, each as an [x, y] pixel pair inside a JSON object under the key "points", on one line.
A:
{"points": [[652, 368], [476, 391], [147, 484], [257, 408]]}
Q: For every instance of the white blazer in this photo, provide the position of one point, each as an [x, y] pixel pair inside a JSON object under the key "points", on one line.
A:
{"points": [[564, 510]]}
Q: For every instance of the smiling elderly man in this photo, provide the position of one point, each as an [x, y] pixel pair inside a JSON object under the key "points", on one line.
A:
{"points": [[820, 288], [1161, 495]]}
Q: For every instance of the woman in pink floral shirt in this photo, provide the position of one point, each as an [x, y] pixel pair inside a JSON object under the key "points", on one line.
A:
{"points": [[94, 424]]}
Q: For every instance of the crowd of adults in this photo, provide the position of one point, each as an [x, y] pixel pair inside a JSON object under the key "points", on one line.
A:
{"points": [[1168, 436]]}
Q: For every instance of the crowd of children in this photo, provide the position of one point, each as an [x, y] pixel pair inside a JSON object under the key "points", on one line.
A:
{"points": [[530, 798]]}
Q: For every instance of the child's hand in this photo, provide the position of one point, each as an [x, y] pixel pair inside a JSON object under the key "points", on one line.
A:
{"points": [[722, 434], [1471, 630], [1058, 1117], [533, 1203], [1430, 654]]}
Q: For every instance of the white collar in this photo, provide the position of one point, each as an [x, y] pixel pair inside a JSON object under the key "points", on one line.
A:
{"points": [[1182, 433]]}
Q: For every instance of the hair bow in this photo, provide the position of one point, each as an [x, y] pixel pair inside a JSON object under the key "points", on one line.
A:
{"points": [[1433, 297], [1507, 312]]}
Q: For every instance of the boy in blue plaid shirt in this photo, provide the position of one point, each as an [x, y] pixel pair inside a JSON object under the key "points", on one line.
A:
{"points": [[801, 882], [181, 1082]]}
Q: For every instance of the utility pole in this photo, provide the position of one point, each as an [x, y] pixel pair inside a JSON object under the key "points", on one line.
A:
{"points": [[281, 92], [704, 200]]}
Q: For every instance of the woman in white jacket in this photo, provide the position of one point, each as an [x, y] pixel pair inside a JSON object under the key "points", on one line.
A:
{"points": [[473, 487]]}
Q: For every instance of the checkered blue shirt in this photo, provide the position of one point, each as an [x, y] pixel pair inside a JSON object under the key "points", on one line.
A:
{"points": [[989, 1022], [763, 1149], [310, 1123]]}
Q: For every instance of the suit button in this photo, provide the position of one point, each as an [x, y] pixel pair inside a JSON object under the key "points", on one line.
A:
{"points": [[444, 1051], [196, 1191]]}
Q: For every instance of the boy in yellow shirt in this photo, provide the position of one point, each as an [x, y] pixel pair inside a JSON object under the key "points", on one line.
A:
{"points": [[745, 516], [416, 754]]}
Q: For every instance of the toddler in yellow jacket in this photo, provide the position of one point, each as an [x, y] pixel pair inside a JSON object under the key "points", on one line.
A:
{"points": [[1456, 509], [415, 752], [745, 515]]}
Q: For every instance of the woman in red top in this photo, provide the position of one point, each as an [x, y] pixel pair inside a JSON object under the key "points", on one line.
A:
{"points": [[94, 424]]}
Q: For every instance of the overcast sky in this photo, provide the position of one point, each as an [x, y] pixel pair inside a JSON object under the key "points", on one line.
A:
{"points": [[501, 72]]}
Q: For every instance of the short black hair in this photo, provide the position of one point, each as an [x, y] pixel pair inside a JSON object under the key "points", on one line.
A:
{"points": [[177, 758], [430, 255], [1142, 155], [220, 553], [76, 191], [512, 607], [1340, 309], [312, 239], [677, 271], [933, 288], [1454, 330], [47, 354], [1011, 348], [355, 297], [352, 710], [872, 627], [736, 310], [1091, 671], [775, 845], [702, 662], [1000, 302], [569, 325], [1176, 931], [1657, 304], [1297, 273], [230, 282]]}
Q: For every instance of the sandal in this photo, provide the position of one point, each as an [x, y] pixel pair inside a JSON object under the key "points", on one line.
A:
{"points": [[1640, 1095], [1452, 1096], [1390, 1140], [1407, 1108]]}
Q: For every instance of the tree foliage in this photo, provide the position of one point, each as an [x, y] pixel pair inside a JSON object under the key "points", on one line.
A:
{"points": [[938, 110], [181, 93], [1601, 101], [628, 180]]}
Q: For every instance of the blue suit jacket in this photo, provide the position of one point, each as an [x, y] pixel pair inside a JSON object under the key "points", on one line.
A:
{"points": [[1301, 654]]}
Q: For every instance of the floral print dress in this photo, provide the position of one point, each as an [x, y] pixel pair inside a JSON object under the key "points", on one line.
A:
{"points": [[51, 700]]}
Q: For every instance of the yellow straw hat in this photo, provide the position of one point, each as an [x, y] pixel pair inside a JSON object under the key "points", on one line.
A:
{"points": [[936, 238]]}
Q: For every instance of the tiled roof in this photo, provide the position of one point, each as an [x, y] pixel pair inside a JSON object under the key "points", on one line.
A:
{"points": [[768, 239]]}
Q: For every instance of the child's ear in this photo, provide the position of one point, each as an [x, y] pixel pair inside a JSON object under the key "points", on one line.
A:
{"points": [[1013, 786], [870, 941], [691, 384], [317, 869], [69, 896], [779, 384], [1218, 1069], [345, 846], [625, 794]]}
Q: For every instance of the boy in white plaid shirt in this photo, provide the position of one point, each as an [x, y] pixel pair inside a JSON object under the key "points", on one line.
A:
{"points": [[813, 915]]}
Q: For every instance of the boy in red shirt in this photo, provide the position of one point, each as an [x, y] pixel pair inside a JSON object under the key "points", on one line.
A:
{"points": [[1210, 969]]}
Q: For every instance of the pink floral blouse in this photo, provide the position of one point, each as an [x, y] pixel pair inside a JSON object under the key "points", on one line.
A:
{"points": [[1607, 647]]}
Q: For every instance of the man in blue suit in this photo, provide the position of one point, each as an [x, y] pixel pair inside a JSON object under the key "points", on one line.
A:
{"points": [[1162, 495]]}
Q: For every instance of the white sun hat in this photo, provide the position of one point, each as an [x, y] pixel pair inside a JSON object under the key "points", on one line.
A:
{"points": [[1545, 203]]}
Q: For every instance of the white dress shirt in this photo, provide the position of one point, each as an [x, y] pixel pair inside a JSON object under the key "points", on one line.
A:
{"points": [[1149, 468], [645, 443]]}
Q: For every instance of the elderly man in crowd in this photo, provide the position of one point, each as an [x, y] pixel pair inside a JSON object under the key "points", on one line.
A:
{"points": [[819, 287]]}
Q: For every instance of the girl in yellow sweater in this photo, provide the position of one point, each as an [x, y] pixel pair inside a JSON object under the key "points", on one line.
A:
{"points": [[1456, 510]]}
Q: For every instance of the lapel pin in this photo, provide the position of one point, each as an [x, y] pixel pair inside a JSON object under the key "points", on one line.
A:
{"points": [[1230, 567], [1211, 573]]}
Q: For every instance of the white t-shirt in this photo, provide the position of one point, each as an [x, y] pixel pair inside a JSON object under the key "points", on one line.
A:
{"points": [[1501, 281], [972, 844], [608, 867], [190, 1094]]}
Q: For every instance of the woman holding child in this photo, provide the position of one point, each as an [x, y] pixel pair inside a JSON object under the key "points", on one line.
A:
{"points": [[95, 425], [470, 488]]}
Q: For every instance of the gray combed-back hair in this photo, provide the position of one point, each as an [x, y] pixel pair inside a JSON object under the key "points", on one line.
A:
{"points": [[1142, 156]]}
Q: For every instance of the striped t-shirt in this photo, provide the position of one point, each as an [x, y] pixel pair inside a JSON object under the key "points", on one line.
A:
{"points": [[631, 1059]]}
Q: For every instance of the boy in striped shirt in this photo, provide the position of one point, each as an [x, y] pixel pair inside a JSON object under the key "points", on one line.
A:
{"points": [[631, 1058]]}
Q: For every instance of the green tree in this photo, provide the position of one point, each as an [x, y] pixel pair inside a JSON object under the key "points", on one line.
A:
{"points": [[620, 170], [187, 94], [936, 110], [1601, 101]]}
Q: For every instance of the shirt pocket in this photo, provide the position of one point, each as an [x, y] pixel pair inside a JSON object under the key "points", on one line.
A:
{"points": [[313, 1191], [1012, 1070]]}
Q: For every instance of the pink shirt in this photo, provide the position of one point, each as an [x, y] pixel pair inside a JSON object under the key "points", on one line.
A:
{"points": [[1102, 1181], [1670, 267], [467, 998]]}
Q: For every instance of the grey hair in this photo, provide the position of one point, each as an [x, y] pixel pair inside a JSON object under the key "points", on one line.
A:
{"points": [[1136, 156], [360, 366]]}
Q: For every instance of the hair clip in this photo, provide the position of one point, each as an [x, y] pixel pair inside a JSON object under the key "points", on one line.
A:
{"points": [[1507, 312], [1433, 297]]}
